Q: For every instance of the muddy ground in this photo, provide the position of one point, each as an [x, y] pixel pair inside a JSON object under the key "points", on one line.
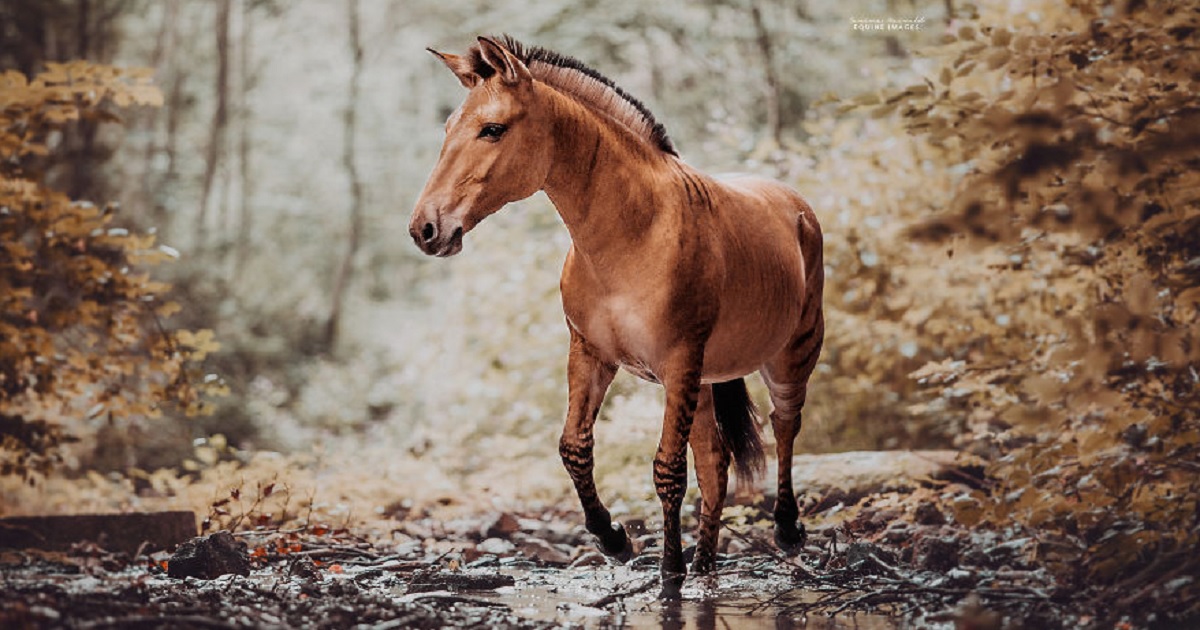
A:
{"points": [[537, 568]]}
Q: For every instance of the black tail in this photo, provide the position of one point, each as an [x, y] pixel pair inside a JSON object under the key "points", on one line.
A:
{"points": [[737, 423]]}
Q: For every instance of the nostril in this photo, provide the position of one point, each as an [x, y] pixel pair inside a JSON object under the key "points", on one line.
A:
{"points": [[428, 232], [458, 231]]}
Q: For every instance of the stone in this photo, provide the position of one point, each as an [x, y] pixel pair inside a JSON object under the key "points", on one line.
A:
{"points": [[495, 546], [435, 579], [932, 553], [927, 513], [590, 559], [542, 551], [869, 559], [304, 568], [209, 557], [503, 526], [871, 472]]}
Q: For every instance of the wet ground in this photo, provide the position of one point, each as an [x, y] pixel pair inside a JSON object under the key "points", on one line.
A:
{"points": [[539, 569], [52, 590]]}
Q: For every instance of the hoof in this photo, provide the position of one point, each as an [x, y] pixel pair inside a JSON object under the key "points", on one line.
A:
{"points": [[790, 537], [703, 564], [615, 543], [672, 586]]}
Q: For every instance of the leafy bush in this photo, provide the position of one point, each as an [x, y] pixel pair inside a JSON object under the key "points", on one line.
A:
{"points": [[82, 334], [1059, 292], [1020, 233]]}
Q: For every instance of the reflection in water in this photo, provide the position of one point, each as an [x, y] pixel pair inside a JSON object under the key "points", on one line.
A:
{"points": [[567, 598], [704, 611], [726, 614]]}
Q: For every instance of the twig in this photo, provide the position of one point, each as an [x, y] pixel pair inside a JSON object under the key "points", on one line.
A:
{"points": [[616, 595], [334, 551], [447, 596], [774, 553], [275, 530], [159, 621]]}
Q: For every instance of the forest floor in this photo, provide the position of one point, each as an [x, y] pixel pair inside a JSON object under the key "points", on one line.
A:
{"points": [[886, 558], [528, 571]]}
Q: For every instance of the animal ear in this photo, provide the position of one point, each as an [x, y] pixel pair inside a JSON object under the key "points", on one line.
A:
{"points": [[460, 66], [511, 70]]}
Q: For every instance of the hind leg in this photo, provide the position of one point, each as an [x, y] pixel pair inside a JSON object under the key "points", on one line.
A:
{"points": [[588, 379], [712, 458], [786, 376]]}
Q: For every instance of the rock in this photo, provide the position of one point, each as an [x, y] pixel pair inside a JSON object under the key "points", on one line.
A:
{"points": [[858, 473], [936, 554], [927, 513], [646, 560], [735, 545], [209, 557], [304, 568], [590, 559], [898, 532], [495, 546], [542, 551], [114, 532], [503, 526], [434, 579], [869, 559]]}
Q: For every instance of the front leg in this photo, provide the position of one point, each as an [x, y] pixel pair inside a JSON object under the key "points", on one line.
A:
{"points": [[670, 462], [588, 379]]}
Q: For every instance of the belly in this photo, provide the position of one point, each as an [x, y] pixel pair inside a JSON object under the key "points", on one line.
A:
{"points": [[631, 330], [740, 345], [620, 330]]}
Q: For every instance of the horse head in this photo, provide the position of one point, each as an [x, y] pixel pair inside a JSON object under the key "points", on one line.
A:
{"points": [[497, 148]]}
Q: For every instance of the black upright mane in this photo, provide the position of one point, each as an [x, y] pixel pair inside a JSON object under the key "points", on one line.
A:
{"points": [[531, 56]]}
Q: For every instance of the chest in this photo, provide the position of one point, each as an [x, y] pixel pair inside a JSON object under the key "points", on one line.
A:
{"points": [[622, 329], [624, 316]]}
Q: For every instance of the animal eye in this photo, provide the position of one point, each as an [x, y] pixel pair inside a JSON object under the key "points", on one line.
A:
{"points": [[492, 131]]}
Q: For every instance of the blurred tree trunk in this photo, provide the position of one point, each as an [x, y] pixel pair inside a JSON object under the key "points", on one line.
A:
{"points": [[175, 110], [766, 48], [246, 122], [161, 59], [81, 172], [95, 37], [346, 269], [216, 142], [33, 32], [30, 34]]}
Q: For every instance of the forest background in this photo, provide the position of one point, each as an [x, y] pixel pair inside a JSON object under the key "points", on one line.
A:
{"points": [[1008, 191]]}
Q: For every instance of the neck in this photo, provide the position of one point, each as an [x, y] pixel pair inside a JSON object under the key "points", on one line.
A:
{"points": [[602, 180]]}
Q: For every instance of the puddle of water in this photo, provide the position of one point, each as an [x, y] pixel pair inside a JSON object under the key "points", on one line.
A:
{"points": [[710, 614], [565, 596]]}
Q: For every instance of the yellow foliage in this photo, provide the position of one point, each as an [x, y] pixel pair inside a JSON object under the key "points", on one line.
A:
{"points": [[1057, 283], [82, 324], [1014, 255]]}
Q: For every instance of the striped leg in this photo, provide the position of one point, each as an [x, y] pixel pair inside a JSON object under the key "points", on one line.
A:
{"points": [[712, 459], [587, 381], [787, 380], [670, 464]]}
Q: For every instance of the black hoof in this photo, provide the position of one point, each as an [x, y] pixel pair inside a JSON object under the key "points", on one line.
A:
{"points": [[615, 543], [703, 564], [672, 586], [790, 537]]}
